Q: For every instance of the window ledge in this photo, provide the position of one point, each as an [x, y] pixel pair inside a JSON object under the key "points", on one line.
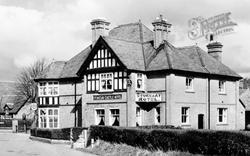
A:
{"points": [[222, 124], [185, 124], [222, 93], [189, 91]]}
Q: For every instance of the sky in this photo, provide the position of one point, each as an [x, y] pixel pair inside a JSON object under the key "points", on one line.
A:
{"points": [[59, 29]]}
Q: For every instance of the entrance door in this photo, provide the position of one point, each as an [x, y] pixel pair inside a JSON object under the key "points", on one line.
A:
{"points": [[200, 121]]}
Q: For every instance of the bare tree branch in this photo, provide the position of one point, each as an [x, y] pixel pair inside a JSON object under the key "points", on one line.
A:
{"points": [[25, 84]]}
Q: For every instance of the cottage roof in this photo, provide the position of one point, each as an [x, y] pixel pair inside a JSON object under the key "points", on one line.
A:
{"points": [[14, 102], [133, 44]]}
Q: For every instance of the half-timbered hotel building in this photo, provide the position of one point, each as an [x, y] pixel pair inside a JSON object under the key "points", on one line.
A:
{"points": [[132, 76]]}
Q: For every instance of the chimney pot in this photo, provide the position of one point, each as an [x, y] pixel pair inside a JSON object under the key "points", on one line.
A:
{"points": [[100, 27], [161, 30], [215, 50]]}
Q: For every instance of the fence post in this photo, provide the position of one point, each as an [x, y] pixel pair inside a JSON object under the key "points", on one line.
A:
{"points": [[85, 138], [71, 137]]}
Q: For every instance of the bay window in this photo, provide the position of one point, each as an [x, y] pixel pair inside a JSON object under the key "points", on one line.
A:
{"points": [[48, 118]]}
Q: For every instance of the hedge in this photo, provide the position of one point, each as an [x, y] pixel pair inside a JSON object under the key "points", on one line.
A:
{"points": [[193, 141], [57, 134]]}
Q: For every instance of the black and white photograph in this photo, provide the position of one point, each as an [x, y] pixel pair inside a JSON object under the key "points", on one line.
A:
{"points": [[124, 77]]}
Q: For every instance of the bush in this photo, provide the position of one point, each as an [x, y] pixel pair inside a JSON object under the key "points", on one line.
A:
{"points": [[57, 134], [193, 141]]}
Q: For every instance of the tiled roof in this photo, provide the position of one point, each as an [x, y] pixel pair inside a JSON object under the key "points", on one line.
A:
{"points": [[73, 65], [135, 32], [53, 71], [133, 44], [245, 99], [17, 101]]}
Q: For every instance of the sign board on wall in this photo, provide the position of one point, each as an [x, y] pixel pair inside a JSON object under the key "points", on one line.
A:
{"points": [[148, 97], [107, 97]]}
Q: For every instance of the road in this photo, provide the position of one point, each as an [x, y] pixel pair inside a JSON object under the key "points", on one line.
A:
{"points": [[19, 144]]}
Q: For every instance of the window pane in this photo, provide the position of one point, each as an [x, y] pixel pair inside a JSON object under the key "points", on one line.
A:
{"points": [[120, 84]]}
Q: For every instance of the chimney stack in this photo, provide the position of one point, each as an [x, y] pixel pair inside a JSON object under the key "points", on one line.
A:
{"points": [[100, 27], [215, 50], [161, 30]]}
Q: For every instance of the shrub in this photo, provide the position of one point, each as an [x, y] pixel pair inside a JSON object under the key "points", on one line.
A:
{"points": [[57, 134], [193, 141]]}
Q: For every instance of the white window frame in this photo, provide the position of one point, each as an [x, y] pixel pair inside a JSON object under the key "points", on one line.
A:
{"points": [[47, 87], [105, 79], [97, 115], [224, 115], [111, 115], [47, 116], [185, 114], [189, 84], [222, 87], [157, 115], [140, 76]]}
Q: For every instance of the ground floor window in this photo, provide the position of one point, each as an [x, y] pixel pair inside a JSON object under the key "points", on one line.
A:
{"points": [[114, 117], [222, 115], [138, 116], [100, 116], [157, 115], [185, 115], [48, 117]]}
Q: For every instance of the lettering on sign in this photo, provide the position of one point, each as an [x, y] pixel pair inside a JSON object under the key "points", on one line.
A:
{"points": [[107, 97], [217, 25], [148, 97]]}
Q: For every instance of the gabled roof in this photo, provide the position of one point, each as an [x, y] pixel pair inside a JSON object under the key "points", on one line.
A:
{"points": [[133, 45], [16, 103]]}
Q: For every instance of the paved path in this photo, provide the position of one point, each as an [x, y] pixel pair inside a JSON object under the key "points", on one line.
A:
{"points": [[19, 144]]}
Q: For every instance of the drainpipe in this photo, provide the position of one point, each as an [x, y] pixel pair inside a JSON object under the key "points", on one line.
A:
{"points": [[209, 104], [75, 103]]}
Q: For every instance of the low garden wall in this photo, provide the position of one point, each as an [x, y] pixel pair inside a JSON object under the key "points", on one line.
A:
{"points": [[193, 141]]}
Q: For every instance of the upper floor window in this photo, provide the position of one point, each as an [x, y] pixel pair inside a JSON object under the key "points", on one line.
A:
{"points": [[189, 84], [140, 81], [50, 88], [222, 86], [116, 81], [106, 82], [185, 115], [103, 58], [222, 115]]}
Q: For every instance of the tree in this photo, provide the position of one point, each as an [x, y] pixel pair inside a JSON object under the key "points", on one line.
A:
{"points": [[25, 84]]}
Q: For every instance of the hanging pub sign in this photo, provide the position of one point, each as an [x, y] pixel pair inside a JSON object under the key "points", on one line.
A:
{"points": [[107, 97], [148, 97]]}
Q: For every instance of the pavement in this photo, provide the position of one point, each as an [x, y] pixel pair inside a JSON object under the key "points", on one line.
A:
{"points": [[19, 144]]}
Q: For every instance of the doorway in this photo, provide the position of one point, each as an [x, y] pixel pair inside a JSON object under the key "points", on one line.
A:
{"points": [[200, 121]]}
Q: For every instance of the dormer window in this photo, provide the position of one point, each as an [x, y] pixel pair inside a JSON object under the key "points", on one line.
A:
{"points": [[189, 84], [222, 87], [139, 81]]}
